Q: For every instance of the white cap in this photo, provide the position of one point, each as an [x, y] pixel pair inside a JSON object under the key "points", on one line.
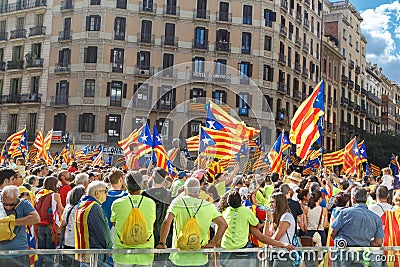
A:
{"points": [[244, 191]]}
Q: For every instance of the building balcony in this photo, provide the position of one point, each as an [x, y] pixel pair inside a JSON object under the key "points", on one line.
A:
{"points": [[200, 44], [298, 41], [145, 7], [297, 95], [199, 75], [306, 47], [34, 63], [67, 5], [330, 100], [363, 111], [343, 126], [307, 2], [335, 103], [358, 88], [351, 105], [145, 38], [299, 17], [169, 40], [222, 77], [170, 10], [31, 98], [3, 65], [169, 72], [297, 67], [39, 30], [306, 23], [11, 99], [224, 16], [303, 96], [281, 87], [22, 5], [351, 64], [363, 92], [282, 59], [244, 80], [201, 14], [15, 64], [59, 100], [144, 71], [350, 83], [357, 108], [344, 79], [281, 117], [62, 67], [283, 31], [222, 46], [304, 72], [16, 34], [358, 69], [65, 36], [3, 36], [246, 50], [284, 5], [344, 101]]}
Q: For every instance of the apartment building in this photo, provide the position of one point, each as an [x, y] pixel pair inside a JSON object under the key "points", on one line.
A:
{"points": [[396, 89], [25, 31], [389, 106], [374, 95], [331, 66], [342, 22], [103, 53]]}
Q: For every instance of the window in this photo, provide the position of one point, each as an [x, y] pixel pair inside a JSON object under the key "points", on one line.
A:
{"points": [[113, 127], [201, 38], [15, 87], [119, 28], [148, 5], [247, 14], [39, 20], [64, 57], [267, 103], [168, 62], [197, 95], [165, 128], [269, 17], [220, 97], [31, 124], [198, 67], [171, 7], [145, 34], [268, 74], [267, 43], [243, 100], [90, 85], [143, 60], [36, 50], [166, 96], [143, 94], [91, 54], [202, 9], [220, 68], [194, 128], [12, 123], [95, 2], [20, 23], [223, 11], [169, 34], [93, 23], [35, 85], [343, 52], [17, 52], [246, 43], [60, 122], [86, 123], [121, 4], [115, 92], [117, 60], [245, 69]]}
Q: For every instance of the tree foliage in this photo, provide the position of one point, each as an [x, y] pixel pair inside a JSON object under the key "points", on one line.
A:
{"points": [[381, 147]]}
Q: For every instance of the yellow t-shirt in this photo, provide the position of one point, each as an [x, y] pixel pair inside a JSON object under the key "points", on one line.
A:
{"points": [[120, 210], [239, 221], [205, 214]]}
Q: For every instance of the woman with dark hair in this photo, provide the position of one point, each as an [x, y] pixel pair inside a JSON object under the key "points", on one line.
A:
{"points": [[281, 226], [317, 218], [342, 201], [303, 195]]}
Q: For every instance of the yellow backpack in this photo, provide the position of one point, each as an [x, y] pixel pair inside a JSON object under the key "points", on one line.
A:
{"points": [[189, 236], [7, 225], [135, 231]]}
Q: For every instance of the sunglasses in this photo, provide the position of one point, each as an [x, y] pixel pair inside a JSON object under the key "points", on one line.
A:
{"points": [[9, 204]]}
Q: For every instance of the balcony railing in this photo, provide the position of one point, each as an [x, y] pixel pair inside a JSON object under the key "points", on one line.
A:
{"points": [[246, 50], [358, 69], [3, 36], [358, 88], [363, 91], [306, 47], [351, 104], [282, 59], [283, 31], [306, 23], [144, 7], [145, 71], [351, 83], [298, 41], [304, 72], [38, 30], [3, 65], [344, 79], [344, 101], [59, 100], [34, 63], [169, 40], [169, 72], [200, 44], [297, 95], [307, 2], [222, 46], [297, 67], [351, 64], [222, 77], [20, 33], [299, 17], [171, 10], [65, 36], [61, 67], [13, 98], [31, 98], [281, 87], [145, 38], [15, 64], [330, 100], [224, 16], [284, 5], [22, 5], [67, 5], [201, 14]]}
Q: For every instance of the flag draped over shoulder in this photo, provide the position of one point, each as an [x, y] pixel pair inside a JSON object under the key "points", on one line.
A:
{"points": [[304, 125], [351, 158]]}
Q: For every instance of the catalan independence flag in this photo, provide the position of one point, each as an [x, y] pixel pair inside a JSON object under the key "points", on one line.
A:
{"points": [[15, 141], [132, 138], [275, 155], [391, 226], [334, 158], [226, 144], [304, 125], [351, 158]]}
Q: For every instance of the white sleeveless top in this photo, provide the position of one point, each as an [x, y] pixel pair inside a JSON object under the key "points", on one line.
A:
{"points": [[313, 218]]}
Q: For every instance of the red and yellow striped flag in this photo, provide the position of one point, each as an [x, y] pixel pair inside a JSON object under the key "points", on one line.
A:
{"points": [[351, 158], [41, 146], [132, 138], [226, 144], [15, 140], [334, 158], [391, 226]]}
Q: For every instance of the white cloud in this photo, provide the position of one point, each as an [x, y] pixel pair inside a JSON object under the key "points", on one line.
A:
{"points": [[380, 28]]}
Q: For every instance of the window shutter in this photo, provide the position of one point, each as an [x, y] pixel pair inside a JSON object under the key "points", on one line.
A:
{"points": [[93, 123], [60, 56], [250, 70], [250, 101], [125, 89], [81, 122], [138, 59], [57, 88], [87, 23], [95, 55], [98, 23], [86, 56], [272, 16], [112, 56], [67, 91], [206, 35], [237, 101], [108, 89], [228, 36], [122, 57], [107, 124], [135, 88]]}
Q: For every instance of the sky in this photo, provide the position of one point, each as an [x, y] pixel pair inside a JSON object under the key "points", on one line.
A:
{"points": [[381, 28]]}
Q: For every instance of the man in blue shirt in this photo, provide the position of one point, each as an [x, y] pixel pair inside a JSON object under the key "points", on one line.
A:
{"points": [[357, 227]]}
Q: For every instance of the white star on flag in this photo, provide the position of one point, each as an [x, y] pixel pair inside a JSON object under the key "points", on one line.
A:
{"points": [[159, 139], [144, 138], [355, 150], [206, 140], [22, 138], [211, 124], [362, 151]]}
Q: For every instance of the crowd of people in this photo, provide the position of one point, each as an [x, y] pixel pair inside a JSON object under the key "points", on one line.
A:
{"points": [[88, 207]]}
